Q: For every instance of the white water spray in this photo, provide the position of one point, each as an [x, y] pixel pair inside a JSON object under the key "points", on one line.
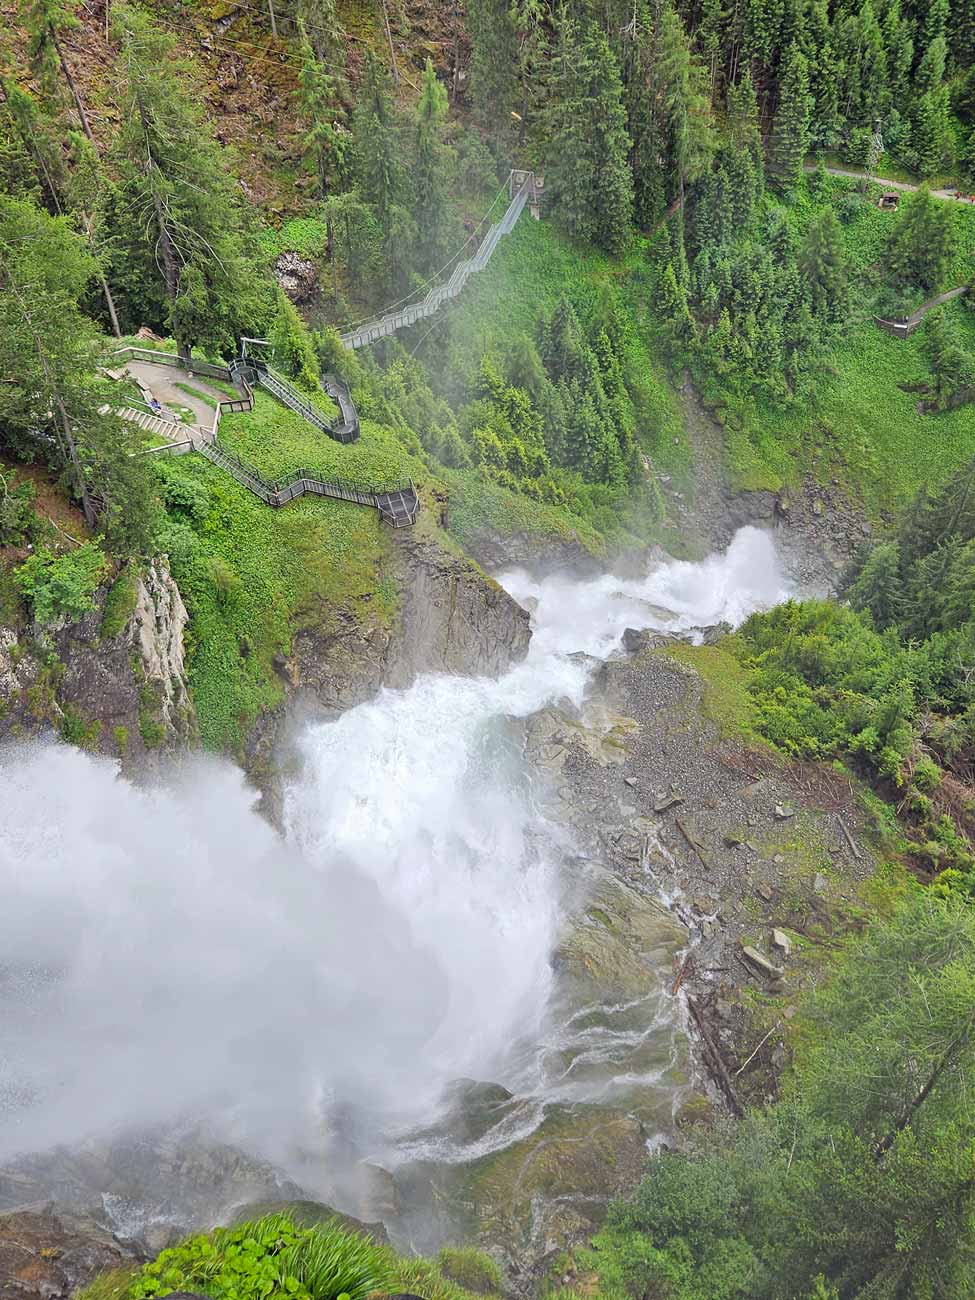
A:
{"points": [[165, 953]]}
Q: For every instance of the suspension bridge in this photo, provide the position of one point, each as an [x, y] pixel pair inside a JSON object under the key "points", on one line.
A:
{"points": [[524, 190]]}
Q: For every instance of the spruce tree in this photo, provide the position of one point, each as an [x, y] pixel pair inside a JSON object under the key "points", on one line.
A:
{"points": [[294, 354], [790, 133], [586, 170], [920, 243], [177, 178], [689, 128], [56, 409], [494, 65], [431, 174], [46, 22], [824, 266], [379, 165], [899, 48], [325, 140]]}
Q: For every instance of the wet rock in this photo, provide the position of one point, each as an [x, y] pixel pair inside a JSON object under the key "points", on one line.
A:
{"points": [[713, 634], [129, 691], [48, 1254], [608, 951], [783, 812]]}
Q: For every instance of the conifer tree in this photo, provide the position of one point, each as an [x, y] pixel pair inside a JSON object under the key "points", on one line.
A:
{"points": [[325, 140], [690, 132], [431, 173], [177, 178], [899, 48], [46, 22], [494, 64], [920, 242], [294, 354], [379, 163], [820, 52], [790, 133], [824, 267], [56, 409], [30, 126], [586, 161]]}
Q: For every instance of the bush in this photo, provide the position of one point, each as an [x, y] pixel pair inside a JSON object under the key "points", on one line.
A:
{"points": [[472, 1269], [119, 604], [62, 585], [268, 1257], [17, 518]]}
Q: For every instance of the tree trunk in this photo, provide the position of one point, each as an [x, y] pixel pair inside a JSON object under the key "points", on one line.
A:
{"points": [[389, 38], [72, 86], [81, 485], [523, 124], [274, 21], [106, 291], [950, 1055]]}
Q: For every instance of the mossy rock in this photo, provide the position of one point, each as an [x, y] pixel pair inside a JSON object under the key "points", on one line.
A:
{"points": [[308, 1214]]}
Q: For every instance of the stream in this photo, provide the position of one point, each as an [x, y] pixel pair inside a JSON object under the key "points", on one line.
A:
{"points": [[374, 991]]}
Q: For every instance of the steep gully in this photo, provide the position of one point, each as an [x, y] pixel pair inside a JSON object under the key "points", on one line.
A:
{"points": [[325, 1000]]}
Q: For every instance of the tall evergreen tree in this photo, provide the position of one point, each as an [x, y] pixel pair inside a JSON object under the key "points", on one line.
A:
{"points": [[46, 22], [57, 407], [790, 133], [177, 179], [493, 26], [586, 161], [380, 165], [920, 242], [431, 173], [824, 266]]}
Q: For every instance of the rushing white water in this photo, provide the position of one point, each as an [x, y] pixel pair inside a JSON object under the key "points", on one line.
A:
{"points": [[164, 952]]}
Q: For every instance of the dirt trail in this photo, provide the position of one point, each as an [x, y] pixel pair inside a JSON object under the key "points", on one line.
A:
{"points": [[842, 172]]}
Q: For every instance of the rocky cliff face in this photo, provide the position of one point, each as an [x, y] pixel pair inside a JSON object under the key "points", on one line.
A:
{"points": [[451, 617], [113, 680]]}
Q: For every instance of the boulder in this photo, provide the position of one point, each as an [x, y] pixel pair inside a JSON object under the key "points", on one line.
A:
{"points": [[47, 1254], [782, 943], [297, 276], [761, 963]]}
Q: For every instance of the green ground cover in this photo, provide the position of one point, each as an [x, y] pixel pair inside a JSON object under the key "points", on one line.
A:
{"points": [[276, 441], [856, 422], [251, 577]]}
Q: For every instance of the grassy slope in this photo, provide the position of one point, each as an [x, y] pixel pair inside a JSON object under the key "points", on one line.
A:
{"points": [[298, 567], [531, 269], [856, 423]]}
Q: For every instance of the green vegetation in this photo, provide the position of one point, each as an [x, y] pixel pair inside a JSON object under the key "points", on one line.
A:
{"points": [[59, 585], [857, 1182], [298, 568], [119, 604], [269, 1257], [281, 1256], [472, 1269]]}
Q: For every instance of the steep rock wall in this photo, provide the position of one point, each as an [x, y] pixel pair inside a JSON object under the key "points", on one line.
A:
{"points": [[120, 692]]}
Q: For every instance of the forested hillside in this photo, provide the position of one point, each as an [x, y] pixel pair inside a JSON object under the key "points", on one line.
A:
{"points": [[714, 241]]}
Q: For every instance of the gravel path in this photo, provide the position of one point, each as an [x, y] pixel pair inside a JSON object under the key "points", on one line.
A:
{"points": [[162, 382], [842, 172]]}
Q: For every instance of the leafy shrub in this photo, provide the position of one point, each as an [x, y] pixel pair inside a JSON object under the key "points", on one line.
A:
{"points": [[268, 1257], [119, 605], [472, 1269], [17, 518], [59, 585]]}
